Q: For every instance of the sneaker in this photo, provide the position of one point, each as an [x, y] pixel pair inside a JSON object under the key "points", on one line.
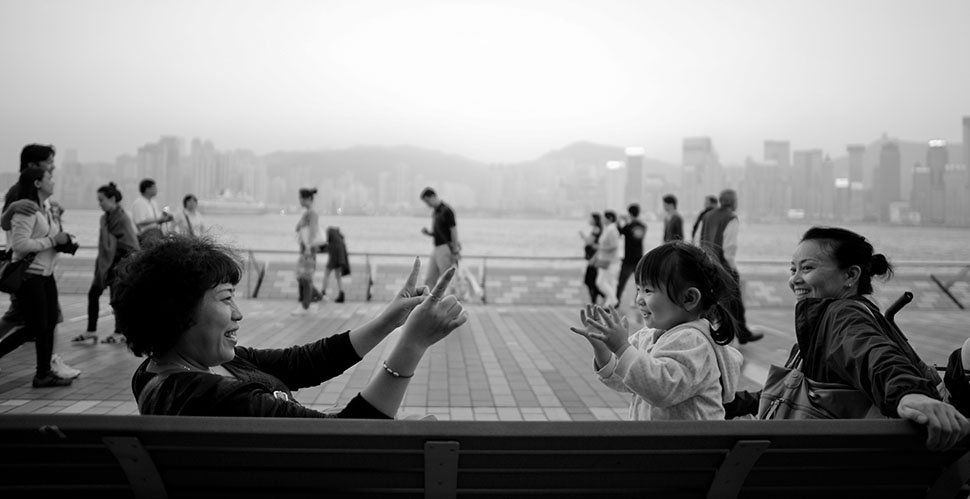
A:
{"points": [[314, 308], [51, 380], [340, 298], [299, 311], [61, 369]]}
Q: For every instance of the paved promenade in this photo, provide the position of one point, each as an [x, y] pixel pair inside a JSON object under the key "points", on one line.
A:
{"points": [[509, 362]]}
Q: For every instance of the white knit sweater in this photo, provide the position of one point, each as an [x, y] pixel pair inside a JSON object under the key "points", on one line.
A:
{"points": [[677, 374]]}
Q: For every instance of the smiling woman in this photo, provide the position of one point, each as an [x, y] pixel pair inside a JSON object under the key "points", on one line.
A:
{"points": [[843, 339], [176, 304]]}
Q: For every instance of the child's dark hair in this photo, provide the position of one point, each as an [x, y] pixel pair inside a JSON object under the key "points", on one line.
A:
{"points": [[678, 266]]}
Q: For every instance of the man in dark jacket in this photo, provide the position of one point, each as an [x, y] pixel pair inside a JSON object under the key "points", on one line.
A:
{"points": [[673, 222], [719, 235], [710, 203]]}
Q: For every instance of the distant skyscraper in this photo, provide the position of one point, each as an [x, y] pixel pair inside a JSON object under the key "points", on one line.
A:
{"points": [[171, 188], [806, 181], [615, 186], [857, 154], [966, 141], [634, 175], [777, 177], [919, 198], [887, 180], [778, 151], [957, 198], [842, 207], [826, 189], [701, 173], [202, 162], [937, 158]]}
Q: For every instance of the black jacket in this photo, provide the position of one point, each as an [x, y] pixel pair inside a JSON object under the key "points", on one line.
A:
{"points": [[849, 341], [262, 385]]}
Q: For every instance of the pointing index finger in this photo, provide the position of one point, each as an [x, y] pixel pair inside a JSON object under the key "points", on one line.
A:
{"points": [[413, 277], [442, 285]]}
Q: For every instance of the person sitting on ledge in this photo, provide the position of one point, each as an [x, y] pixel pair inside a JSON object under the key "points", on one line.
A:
{"points": [[176, 304]]}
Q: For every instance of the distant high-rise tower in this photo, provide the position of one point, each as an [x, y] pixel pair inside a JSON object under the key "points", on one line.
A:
{"points": [[956, 179], [777, 177], [171, 178], [806, 181], [966, 141], [887, 181], [615, 190], [937, 158], [778, 151], [701, 174], [826, 189], [856, 203], [856, 154], [919, 198], [634, 175]]}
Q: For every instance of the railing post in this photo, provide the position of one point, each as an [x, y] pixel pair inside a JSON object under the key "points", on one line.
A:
{"points": [[370, 276], [484, 289]]}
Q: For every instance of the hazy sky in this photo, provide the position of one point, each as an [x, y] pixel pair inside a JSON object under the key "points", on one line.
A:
{"points": [[491, 80]]}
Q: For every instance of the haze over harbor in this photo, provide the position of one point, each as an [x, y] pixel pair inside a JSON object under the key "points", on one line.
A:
{"points": [[325, 93], [501, 82]]}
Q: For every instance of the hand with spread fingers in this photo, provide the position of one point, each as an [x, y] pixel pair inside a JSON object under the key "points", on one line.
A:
{"points": [[604, 326], [405, 300], [436, 316]]}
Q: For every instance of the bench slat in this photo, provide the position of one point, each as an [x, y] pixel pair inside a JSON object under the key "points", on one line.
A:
{"points": [[251, 457]]}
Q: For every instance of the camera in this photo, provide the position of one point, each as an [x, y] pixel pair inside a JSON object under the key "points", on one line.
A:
{"points": [[70, 247]]}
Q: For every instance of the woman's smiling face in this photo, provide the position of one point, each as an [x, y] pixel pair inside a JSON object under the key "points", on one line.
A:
{"points": [[211, 341], [815, 274]]}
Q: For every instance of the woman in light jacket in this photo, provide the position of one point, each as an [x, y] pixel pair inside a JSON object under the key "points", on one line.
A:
{"points": [[36, 234]]}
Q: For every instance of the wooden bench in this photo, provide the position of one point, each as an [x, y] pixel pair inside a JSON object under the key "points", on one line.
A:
{"points": [[153, 457]]}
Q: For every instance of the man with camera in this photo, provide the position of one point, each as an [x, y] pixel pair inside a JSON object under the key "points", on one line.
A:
{"points": [[12, 332]]}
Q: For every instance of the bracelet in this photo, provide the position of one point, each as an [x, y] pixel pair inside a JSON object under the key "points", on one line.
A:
{"points": [[394, 373]]}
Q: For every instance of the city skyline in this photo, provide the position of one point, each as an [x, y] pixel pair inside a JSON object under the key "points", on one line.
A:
{"points": [[889, 180], [498, 83]]}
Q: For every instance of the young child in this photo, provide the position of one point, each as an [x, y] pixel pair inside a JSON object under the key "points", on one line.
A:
{"points": [[677, 367]]}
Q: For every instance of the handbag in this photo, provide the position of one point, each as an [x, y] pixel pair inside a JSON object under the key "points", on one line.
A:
{"points": [[13, 273], [788, 394]]}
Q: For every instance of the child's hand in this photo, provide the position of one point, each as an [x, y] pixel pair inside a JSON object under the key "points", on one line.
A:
{"points": [[586, 331], [608, 327]]}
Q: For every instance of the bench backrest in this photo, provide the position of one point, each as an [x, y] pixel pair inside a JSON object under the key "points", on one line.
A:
{"points": [[158, 456]]}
